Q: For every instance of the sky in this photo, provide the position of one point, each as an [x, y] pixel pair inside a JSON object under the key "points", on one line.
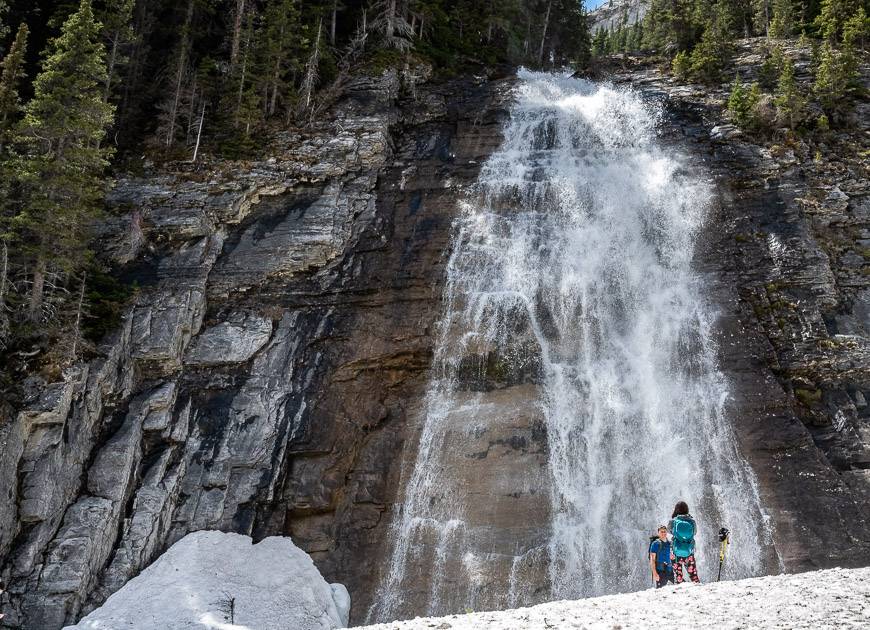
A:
{"points": [[593, 4]]}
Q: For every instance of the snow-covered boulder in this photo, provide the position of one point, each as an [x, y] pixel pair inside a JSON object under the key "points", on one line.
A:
{"points": [[219, 581]]}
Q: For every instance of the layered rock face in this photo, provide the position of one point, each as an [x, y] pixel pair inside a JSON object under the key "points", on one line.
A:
{"points": [[261, 382], [270, 375], [786, 256]]}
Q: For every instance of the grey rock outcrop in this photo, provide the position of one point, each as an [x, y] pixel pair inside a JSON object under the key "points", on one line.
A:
{"points": [[263, 370], [615, 13], [785, 254]]}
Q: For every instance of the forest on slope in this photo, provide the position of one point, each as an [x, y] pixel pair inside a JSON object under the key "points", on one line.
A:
{"points": [[696, 39], [91, 88]]}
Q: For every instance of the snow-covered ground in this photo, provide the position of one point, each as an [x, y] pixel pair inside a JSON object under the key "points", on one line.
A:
{"points": [[836, 598], [217, 581]]}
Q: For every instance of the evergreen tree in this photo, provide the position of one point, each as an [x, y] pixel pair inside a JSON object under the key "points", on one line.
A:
{"points": [[712, 52], [742, 102], [280, 49], [61, 163], [832, 18], [831, 78], [771, 67], [682, 65], [389, 21], [118, 31], [838, 71], [4, 30], [790, 104], [782, 23], [763, 14], [12, 73]]}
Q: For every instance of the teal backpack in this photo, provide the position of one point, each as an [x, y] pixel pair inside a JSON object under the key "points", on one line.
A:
{"points": [[683, 529]]}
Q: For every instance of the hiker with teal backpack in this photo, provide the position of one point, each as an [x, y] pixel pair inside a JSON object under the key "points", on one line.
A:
{"points": [[683, 530], [660, 558]]}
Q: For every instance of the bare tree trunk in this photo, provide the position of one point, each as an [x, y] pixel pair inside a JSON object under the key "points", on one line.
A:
{"points": [[544, 33], [237, 32], [179, 74], [241, 93], [311, 67], [110, 67], [4, 273], [272, 103], [528, 39], [391, 20], [199, 131], [77, 328], [34, 313], [191, 111], [334, 22]]}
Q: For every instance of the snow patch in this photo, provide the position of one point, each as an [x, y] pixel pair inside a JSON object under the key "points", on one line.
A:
{"points": [[220, 581], [836, 598]]}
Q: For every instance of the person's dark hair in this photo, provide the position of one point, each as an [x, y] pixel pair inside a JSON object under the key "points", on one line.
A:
{"points": [[680, 508]]}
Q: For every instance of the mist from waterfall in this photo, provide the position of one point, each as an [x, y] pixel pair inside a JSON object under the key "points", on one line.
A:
{"points": [[572, 271]]}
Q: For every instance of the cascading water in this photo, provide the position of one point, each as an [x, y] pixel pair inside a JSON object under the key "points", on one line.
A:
{"points": [[571, 276]]}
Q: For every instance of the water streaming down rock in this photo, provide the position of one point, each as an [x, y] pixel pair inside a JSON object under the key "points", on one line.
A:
{"points": [[571, 285]]}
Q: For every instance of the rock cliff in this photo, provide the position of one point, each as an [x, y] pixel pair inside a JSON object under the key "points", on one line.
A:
{"points": [[269, 373], [615, 13], [262, 380], [785, 253]]}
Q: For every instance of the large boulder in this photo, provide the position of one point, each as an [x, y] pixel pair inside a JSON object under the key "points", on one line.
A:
{"points": [[217, 580]]}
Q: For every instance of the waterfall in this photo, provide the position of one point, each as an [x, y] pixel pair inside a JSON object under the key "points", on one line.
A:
{"points": [[571, 283]]}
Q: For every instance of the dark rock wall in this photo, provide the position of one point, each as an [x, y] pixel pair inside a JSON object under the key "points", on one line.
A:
{"points": [[269, 376], [785, 253], [262, 381]]}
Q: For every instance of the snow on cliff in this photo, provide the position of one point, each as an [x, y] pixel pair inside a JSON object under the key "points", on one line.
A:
{"points": [[218, 581], [836, 598]]}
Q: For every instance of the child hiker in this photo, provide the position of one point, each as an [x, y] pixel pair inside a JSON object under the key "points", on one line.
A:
{"points": [[660, 559], [683, 528]]}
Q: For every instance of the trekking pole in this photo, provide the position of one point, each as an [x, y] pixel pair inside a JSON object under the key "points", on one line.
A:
{"points": [[724, 536]]}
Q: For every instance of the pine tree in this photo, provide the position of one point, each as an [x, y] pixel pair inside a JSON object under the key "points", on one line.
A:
{"points": [[833, 16], [4, 30], [782, 23], [389, 21], [61, 163], [790, 104], [837, 74], [279, 51], [12, 73], [830, 84], [742, 102], [712, 52], [118, 31]]}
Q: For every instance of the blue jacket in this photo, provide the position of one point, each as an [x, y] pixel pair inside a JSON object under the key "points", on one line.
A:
{"points": [[662, 550]]}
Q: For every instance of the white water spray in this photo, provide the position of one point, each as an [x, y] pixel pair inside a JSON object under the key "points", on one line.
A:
{"points": [[572, 271]]}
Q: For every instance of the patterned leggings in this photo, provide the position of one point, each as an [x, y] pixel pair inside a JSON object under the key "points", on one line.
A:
{"points": [[690, 567]]}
